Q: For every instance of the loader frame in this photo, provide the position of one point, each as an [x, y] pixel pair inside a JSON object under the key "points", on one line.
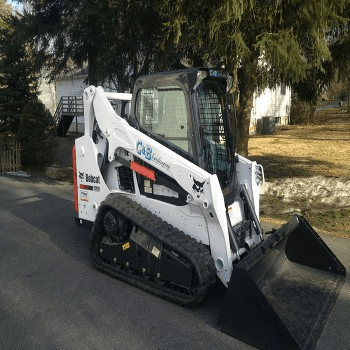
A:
{"points": [[160, 203]]}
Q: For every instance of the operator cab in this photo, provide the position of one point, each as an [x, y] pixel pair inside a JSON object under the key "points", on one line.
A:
{"points": [[187, 111]]}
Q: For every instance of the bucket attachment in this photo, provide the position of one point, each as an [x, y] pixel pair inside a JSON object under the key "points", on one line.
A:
{"points": [[281, 294]]}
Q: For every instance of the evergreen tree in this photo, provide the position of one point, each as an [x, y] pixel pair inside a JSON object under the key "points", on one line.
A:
{"points": [[5, 10], [21, 113], [115, 39], [339, 40], [308, 90], [35, 133], [262, 42], [17, 79]]}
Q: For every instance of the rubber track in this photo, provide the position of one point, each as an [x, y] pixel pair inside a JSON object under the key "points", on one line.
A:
{"points": [[194, 252]]}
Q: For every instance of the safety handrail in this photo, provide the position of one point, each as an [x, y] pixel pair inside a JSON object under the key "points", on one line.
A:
{"points": [[69, 105]]}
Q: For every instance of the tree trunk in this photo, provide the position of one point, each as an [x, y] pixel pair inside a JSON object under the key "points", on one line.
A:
{"points": [[248, 84], [234, 88], [234, 91], [313, 106]]}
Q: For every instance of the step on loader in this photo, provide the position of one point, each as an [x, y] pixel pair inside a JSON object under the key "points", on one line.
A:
{"points": [[173, 209]]}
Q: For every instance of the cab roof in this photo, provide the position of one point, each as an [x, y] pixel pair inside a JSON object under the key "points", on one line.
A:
{"points": [[185, 77]]}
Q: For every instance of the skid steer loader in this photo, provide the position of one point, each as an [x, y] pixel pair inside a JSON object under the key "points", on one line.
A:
{"points": [[173, 208]]}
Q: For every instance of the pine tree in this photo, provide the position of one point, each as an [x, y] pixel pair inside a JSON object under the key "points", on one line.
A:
{"points": [[17, 78], [261, 42], [5, 11], [35, 133], [22, 115], [114, 39]]}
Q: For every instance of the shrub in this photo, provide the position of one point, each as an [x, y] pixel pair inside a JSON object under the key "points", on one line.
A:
{"points": [[35, 133], [304, 113], [300, 112]]}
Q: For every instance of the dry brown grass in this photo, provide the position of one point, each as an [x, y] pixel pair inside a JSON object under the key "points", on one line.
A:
{"points": [[306, 150]]}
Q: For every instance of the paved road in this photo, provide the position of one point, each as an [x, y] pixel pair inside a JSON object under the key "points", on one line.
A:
{"points": [[51, 297], [330, 105]]}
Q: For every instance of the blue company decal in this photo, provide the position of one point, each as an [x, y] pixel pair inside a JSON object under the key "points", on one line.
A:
{"points": [[147, 152], [144, 150]]}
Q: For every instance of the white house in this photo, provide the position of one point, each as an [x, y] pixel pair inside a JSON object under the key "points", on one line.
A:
{"points": [[66, 85], [273, 103], [72, 85]]}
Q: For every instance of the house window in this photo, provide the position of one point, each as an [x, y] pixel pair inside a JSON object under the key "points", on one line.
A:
{"points": [[283, 89]]}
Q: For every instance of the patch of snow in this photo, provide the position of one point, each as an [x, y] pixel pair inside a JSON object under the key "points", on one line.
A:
{"points": [[18, 173], [316, 190]]}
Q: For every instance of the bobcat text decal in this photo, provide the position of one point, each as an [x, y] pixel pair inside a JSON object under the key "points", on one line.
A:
{"points": [[92, 178]]}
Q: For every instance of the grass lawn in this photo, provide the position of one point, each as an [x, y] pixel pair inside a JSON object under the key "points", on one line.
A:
{"points": [[296, 151]]}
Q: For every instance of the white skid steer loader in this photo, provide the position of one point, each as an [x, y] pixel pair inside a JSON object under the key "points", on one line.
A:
{"points": [[173, 208]]}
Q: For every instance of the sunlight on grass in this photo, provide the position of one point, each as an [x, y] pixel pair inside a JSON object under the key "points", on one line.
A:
{"points": [[297, 151]]}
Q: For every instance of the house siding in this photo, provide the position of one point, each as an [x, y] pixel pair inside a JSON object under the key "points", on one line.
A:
{"points": [[70, 86], [271, 103]]}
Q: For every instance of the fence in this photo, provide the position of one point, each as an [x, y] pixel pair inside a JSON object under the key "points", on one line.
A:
{"points": [[10, 157]]}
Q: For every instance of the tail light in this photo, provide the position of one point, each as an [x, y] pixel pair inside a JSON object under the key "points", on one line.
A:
{"points": [[75, 179]]}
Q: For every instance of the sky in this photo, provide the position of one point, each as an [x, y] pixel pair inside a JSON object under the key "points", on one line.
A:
{"points": [[15, 5]]}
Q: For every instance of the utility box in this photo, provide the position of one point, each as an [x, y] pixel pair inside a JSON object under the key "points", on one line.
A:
{"points": [[269, 125]]}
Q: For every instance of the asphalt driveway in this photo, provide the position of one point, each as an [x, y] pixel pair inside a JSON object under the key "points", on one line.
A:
{"points": [[51, 297]]}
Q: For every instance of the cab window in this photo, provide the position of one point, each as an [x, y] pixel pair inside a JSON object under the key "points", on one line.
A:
{"points": [[162, 111]]}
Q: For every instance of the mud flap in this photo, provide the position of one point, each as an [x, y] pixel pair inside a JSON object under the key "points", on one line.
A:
{"points": [[281, 295]]}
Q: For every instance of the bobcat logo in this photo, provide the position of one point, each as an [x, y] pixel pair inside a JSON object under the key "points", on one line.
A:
{"points": [[198, 187], [81, 176]]}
